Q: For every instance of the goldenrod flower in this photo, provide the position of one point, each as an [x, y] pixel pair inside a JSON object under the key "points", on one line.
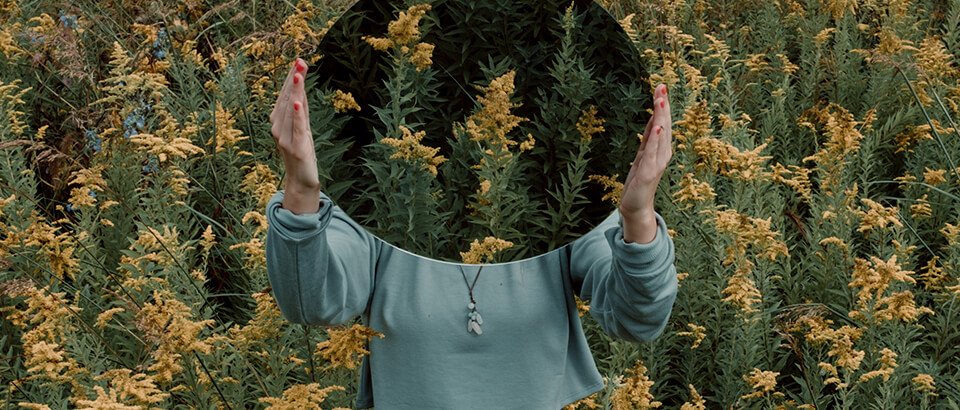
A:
{"points": [[494, 120], [408, 148], [483, 252], [924, 383], [300, 396], [344, 347], [634, 392], [762, 382], [838, 8], [613, 186], [726, 159], [422, 56], [693, 190], [888, 362], [264, 326], [343, 101], [225, 135], [167, 323], [934, 176], [696, 401], [697, 332], [877, 216], [260, 182], [588, 124], [921, 208], [106, 315]]}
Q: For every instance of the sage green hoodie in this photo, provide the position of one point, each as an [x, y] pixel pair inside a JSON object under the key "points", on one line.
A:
{"points": [[326, 269]]}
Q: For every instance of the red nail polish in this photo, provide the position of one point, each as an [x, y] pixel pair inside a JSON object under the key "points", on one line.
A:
{"points": [[663, 103], [296, 80], [296, 106], [300, 66]]}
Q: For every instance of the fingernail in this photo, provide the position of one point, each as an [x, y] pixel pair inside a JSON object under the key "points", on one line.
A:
{"points": [[296, 106], [663, 103], [300, 66], [296, 80]]}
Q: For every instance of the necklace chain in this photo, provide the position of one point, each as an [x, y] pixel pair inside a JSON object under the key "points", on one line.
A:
{"points": [[474, 319]]}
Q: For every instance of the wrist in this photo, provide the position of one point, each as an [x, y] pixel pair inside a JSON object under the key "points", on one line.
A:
{"points": [[301, 199], [639, 226]]}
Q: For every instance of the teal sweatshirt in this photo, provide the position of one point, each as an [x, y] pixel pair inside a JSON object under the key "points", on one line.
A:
{"points": [[326, 269]]}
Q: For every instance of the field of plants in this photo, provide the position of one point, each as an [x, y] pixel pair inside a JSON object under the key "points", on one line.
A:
{"points": [[813, 197]]}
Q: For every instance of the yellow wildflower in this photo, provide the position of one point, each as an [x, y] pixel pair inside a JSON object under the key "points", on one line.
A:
{"points": [[408, 148], [888, 361], [634, 392], [728, 160], [483, 252], [838, 8], [933, 276], [912, 136], [696, 400], [166, 322], [951, 232], [613, 186], [301, 396], [934, 176], [921, 208], [934, 61], [924, 383], [528, 144], [693, 190], [225, 135], [260, 182], [494, 120], [747, 231], [843, 138], [345, 347], [106, 315], [741, 290], [589, 402], [877, 216], [800, 182], [133, 389], [588, 124], [761, 381], [343, 101], [255, 250], [422, 56], [265, 324], [697, 332], [208, 239], [694, 125]]}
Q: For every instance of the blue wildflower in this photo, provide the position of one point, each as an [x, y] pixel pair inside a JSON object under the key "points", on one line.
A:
{"points": [[68, 20], [152, 165], [93, 140]]}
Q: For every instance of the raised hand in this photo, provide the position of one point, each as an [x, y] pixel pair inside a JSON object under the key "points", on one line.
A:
{"points": [[656, 149], [290, 126]]}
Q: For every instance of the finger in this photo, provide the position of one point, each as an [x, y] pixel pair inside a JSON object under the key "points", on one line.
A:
{"points": [[283, 97], [665, 150], [643, 142]]}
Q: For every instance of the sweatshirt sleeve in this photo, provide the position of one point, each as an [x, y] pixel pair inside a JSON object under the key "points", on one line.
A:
{"points": [[630, 287], [320, 265]]}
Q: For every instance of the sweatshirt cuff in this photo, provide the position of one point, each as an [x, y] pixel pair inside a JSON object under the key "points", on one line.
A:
{"points": [[294, 226], [638, 258]]}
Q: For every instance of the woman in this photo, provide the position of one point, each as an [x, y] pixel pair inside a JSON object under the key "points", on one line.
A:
{"points": [[523, 346]]}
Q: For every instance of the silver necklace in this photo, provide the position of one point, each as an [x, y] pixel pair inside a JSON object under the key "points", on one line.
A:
{"points": [[474, 320]]}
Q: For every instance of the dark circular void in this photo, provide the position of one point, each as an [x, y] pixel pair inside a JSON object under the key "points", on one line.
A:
{"points": [[470, 35]]}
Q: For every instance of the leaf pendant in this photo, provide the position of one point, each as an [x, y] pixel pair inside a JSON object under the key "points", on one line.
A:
{"points": [[474, 327]]}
